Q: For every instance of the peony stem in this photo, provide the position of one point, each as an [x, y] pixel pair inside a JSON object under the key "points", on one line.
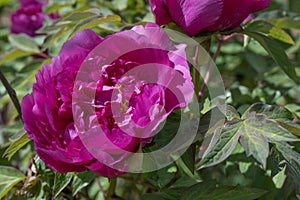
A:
{"points": [[211, 66], [112, 188], [205, 43], [12, 93]]}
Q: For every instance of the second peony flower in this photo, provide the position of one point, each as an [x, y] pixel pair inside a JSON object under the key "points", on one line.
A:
{"points": [[205, 15]]}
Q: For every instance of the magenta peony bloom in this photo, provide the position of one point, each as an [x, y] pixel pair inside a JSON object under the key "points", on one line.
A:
{"points": [[205, 15], [48, 115], [30, 17]]}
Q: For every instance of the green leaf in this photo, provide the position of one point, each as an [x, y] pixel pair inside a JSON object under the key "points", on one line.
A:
{"points": [[16, 146], [257, 127], [231, 113], [156, 196], [276, 52], [271, 30], [256, 122], [255, 144], [9, 177], [77, 16], [292, 158], [189, 158], [221, 145], [24, 42], [287, 152], [161, 178], [12, 55], [286, 22], [271, 111], [184, 181], [279, 178], [61, 181], [57, 6], [291, 127], [169, 194], [81, 180], [4, 2], [208, 190], [120, 4], [94, 21]]}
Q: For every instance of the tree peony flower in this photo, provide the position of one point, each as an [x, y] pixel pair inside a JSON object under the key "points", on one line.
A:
{"points": [[30, 17], [48, 115], [205, 15]]}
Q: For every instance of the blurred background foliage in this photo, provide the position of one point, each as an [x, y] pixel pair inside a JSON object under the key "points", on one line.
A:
{"points": [[249, 73]]}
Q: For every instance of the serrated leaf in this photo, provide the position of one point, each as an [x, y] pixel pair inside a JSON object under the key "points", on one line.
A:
{"points": [[210, 191], [81, 180], [255, 144], [12, 55], [287, 152], [271, 30], [24, 42], [221, 145], [94, 21], [9, 177], [256, 131], [271, 111], [292, 158], [61, 181], [291, 127], [276, 52], [269, 128], [16, 146], [231, 113]]}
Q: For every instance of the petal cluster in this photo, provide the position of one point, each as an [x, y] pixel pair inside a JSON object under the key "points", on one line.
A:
{"points": [[127, 119]]}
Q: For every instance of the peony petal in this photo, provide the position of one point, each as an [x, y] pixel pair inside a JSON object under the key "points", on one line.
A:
{"points": [[193, 16], [160, 10]]}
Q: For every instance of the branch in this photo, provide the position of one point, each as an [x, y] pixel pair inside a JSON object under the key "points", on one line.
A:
{"points": [[12, 93]]}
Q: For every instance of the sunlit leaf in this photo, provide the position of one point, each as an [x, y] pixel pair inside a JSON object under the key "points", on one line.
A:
{"points": [[12, 55], [255, 144], [9, 177], [24, 42], [221, 146], [271, 30], [16, 146], [81, 180], [94, 21], [61, 181], [274, 112], [276, 52]]}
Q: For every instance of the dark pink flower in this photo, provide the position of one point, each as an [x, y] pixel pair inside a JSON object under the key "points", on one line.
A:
{"points": [[29, 17], [48, 114], [205, 15]]}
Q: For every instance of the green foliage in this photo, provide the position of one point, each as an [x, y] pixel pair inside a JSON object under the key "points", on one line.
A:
{"points": [[259, 125], [250, 151], [8, 178], [16, 146]]}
